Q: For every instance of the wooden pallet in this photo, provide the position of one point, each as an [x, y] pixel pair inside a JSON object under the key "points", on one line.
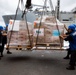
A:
{"points": [[48, 46], [14, 47], [18, 47], [39, 46]]}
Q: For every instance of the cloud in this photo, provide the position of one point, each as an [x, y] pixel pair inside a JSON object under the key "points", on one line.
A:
{"points": [[67, 5], [9, 6]]}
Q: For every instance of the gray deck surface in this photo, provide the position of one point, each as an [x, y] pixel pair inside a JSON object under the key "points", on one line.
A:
{"points": [[35, 63]]}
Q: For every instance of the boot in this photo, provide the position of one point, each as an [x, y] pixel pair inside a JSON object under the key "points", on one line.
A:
{"points": [[8, 52], [70, 68], [1, 54], [67, 57]]}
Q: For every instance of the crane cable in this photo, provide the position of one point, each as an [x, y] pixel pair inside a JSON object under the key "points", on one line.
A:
{"points": [[13, 24], [58, 33]]}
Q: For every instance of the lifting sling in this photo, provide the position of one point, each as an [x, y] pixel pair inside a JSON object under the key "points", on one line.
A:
{"points": [[23, 15]]}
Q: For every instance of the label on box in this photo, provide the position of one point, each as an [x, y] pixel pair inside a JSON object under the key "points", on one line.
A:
{"points": [[14, 27], [39, 32], [55, 33]]}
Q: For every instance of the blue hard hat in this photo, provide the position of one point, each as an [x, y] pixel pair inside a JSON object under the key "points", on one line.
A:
{"points": [[1, 28], [6, 25], [72, 27], [75, 26]]}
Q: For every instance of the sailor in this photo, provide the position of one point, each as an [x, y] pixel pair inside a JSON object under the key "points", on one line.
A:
{"points": [[1, 29], [3, 41], [5, 38], [68, 50], [72, 46]]}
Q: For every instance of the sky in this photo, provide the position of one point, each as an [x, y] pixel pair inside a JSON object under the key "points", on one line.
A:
{"points": [[10, 6]]}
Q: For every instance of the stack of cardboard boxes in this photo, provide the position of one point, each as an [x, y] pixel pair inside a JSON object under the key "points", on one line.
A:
{"points": [[48, 29], [19, 34]]}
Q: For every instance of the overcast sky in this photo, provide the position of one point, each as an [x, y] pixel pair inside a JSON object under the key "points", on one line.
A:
{"points": [[9, 6]]}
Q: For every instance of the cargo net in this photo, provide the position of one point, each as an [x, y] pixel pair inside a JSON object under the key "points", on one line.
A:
{"points": [[48, 33]]}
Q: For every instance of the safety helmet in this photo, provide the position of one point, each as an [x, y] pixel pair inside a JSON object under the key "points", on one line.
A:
{"points": [[75, 26], [1, 28], [72, 27], [6, 25]]}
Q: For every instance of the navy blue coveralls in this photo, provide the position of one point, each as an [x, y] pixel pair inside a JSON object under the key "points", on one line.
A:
{"points": [[3, 41], [0, 41], [72, 44]]}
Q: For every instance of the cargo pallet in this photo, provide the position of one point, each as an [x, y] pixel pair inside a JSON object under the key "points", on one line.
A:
{"points": [[17, 47], [39, 46], [48, 46]]}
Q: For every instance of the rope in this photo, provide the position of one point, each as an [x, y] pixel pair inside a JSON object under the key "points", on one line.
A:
{"points": [[13, 24], [65, 27], [28, 30], [40, 24], [58, 32]]}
